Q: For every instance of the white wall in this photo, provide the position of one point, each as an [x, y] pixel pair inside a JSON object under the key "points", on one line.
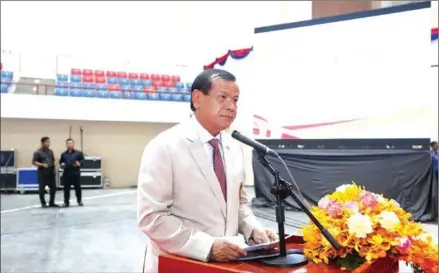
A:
{"points": [[139, 36], [376, 68]]}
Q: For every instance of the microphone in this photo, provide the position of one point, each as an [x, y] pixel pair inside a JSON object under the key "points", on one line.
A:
{"points": [[259, 147]]}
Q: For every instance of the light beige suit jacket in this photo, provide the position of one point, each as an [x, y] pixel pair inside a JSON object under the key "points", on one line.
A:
{"points": [[180, 206]]}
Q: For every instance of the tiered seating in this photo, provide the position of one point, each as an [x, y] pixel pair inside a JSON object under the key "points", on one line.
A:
{"points": [[6, 80], [117, 85]]}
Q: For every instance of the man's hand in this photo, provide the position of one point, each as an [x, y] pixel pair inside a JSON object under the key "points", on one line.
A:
{"points": [[223, 251], [263, 235], [77, 164], [44, 165]]}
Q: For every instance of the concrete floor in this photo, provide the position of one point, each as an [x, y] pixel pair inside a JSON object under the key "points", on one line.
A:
{"points": [[102, 236]]}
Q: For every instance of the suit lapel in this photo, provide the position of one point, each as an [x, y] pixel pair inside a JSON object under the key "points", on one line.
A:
{"points": [[199, 156], [228, 166]]}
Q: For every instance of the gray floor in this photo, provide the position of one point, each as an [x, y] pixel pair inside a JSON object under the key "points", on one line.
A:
{"points": [[102, 236]]}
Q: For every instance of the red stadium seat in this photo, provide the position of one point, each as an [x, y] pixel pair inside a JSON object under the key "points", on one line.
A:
{"points": [[99, 73], [155, 77], [157, 83], [87, 72], [175, 78], [100, 79], [114, 87], [165, 78], [87, 78], [144, 76], [149, 89], [111, 74], [121, 75], [76, 71], [133, 76], [169, 84]]}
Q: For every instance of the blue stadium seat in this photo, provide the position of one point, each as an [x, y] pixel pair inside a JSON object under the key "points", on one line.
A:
{"points": [[89, 85], [62, 78], [138, 88], [183, 90], [75, 85], [4, 88], [189, 85], [76, 92], [89, 93], [187, 97], [124, 82], [136, 82], [140, 95], [173, 90], [101, 86], [112, 80], [147, 82], [59, 91], [128, 95], [76, 78], [179, 85], [153, 96], [177, 97], [162, 89], [7, 74], [62, 84], [103, 94], [6, 81], [115, 94], [125, 87], [165, 96]]}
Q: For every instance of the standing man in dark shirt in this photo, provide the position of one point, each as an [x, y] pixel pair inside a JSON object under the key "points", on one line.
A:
{"points": [[44, 160], [71, 160]]}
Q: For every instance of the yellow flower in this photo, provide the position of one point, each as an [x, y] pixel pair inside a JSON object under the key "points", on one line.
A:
{"points": [[389, 220], [360, 225], [344, 187]]}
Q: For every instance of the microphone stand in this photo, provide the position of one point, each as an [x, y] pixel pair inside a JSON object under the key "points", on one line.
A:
{"points": [[6, 172], [283, 189], [281, 192]]}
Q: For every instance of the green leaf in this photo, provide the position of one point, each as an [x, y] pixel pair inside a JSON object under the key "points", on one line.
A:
{"points": [[351, 261]]}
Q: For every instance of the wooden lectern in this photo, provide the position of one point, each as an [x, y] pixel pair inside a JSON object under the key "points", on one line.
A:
{"points": [[175, 264]]}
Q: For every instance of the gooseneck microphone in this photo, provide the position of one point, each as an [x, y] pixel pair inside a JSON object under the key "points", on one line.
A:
{"points": [[259, 147]]}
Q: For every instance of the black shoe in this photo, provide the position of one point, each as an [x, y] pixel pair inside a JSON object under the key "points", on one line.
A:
{"points": [[54, 206], [44, 205], [66, 205], [80, 204]]}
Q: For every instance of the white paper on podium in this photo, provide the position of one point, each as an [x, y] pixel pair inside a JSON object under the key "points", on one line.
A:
{"points": [[264, 246]]}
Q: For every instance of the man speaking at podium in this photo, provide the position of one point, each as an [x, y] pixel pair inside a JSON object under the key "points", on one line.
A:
{"points": [[191, 200]]}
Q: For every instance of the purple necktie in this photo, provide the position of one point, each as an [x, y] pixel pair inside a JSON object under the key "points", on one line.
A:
{"points": [[218, 166]]}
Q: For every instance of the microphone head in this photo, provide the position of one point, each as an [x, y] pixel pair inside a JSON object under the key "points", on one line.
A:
{"points": [[235, 133]]}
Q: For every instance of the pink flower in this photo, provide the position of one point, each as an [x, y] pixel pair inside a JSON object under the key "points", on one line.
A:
{"points": [[368, 199], [352, 206], [323, 203], [404, 245], [334, 208]]}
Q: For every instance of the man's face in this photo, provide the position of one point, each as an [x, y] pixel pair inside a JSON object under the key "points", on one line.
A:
{"points": [[435, 147], [46, 143], [70, 144], [218, 107]]}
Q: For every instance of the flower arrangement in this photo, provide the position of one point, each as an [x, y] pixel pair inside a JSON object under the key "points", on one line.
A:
{"points": [[368, 227]]}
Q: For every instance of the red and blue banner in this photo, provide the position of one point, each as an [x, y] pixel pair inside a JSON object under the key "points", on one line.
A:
{"points": [[434, 34], [234, 54]]}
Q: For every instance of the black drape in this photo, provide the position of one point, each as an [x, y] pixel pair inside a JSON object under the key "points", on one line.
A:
{"points": [[403, 175]]}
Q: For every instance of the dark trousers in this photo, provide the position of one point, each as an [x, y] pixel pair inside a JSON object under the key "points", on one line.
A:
{"points": [[68, 180], [46, 177]]}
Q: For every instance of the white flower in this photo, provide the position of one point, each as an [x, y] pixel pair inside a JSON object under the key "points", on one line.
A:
{"points": [[343, 188], [380, 198], [389, 220], [360, 225]]}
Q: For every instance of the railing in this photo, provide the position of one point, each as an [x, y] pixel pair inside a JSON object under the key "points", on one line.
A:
{"points": [[36, 88]]}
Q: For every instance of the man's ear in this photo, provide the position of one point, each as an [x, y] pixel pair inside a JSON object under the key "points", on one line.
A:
{"points": [[196, 97]]}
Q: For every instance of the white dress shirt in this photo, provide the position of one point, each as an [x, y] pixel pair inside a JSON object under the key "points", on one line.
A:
{"points": [[205, 137]]}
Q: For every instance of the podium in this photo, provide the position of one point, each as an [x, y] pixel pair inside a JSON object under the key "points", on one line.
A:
{"points": [[176, 264]]}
